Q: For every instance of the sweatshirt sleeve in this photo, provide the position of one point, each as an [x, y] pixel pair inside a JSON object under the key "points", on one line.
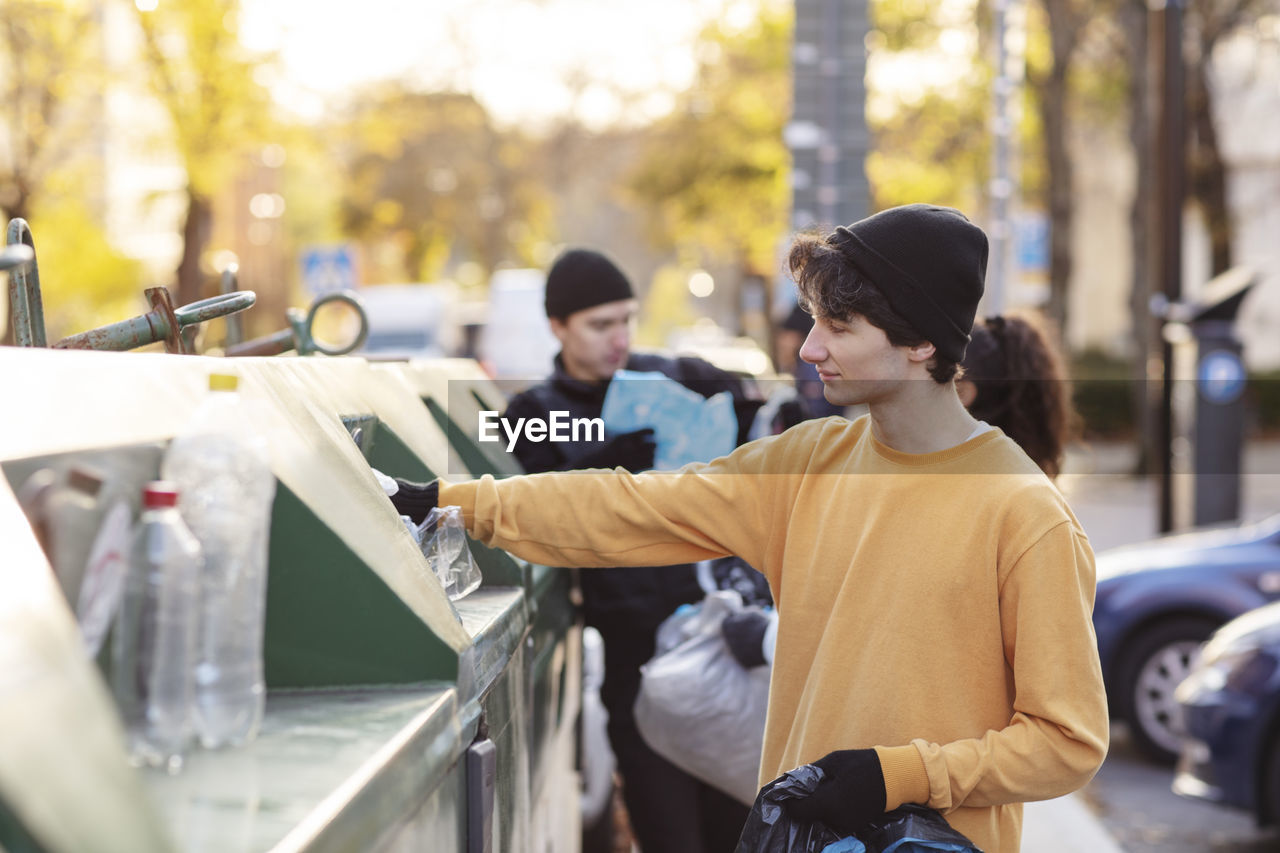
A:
{"points": [[604, 517], [1058, 734]]}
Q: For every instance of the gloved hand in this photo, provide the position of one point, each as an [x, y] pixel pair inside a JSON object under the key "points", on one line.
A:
{"points": [[416, 499], [850, 795], [743, 633], [631, 450]]}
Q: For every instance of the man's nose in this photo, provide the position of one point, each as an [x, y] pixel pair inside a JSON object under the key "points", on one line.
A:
{"points": [[813, 350]]}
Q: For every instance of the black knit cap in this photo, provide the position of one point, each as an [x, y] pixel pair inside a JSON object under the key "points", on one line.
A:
{"points": [[580, 279], [929, 262]]}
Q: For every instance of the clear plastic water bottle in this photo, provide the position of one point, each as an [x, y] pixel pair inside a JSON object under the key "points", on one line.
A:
{"points": [[224, 478], [154, 651]]}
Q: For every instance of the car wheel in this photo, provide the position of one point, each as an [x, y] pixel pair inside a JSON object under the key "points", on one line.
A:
{"points": [[1155, 662]]}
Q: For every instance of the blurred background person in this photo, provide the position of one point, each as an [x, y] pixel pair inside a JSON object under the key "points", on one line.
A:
{"points": [[1015, 379], [591, 306]]}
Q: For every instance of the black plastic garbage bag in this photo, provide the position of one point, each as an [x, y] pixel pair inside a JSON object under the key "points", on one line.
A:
{"points": [[916, 829], [769, 829], [907, 829]]}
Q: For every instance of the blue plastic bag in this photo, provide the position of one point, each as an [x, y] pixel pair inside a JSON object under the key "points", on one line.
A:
{"points": [[687, 427], [916, 829]]}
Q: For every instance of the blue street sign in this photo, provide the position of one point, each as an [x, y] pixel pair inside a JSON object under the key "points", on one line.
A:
{"points": [[1031, 237], [329, 269]]}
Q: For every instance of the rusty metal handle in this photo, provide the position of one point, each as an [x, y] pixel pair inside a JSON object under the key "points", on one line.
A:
{"points": [[312, 345], [215, 306], [298, 335], [26, 307], [274, 344], [162, 323]]}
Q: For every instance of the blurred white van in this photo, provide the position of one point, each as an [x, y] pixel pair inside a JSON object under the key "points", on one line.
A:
{"points": [[516, 343], [410, 320]]}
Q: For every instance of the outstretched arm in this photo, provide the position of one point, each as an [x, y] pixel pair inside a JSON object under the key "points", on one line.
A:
{"points": [[613, 518]]}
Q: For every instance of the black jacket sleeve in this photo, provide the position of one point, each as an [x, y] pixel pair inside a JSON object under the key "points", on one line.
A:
{"points": [[536, 457]]}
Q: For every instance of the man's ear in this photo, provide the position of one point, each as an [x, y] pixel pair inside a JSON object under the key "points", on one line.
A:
{"points": [[921, 352], [558, 328]]}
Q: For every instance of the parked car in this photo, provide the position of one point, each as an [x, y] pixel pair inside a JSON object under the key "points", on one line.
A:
{"points": [[1229, 712], [1159, 601]]}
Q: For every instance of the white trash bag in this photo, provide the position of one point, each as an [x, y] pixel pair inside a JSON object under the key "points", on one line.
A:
{"points": [[443, 540], [698, 707]]}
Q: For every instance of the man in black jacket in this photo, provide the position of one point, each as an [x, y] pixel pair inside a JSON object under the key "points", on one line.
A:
{"points": [[590, 305]]}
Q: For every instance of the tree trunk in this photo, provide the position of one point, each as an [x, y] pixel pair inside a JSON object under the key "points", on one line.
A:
{"points": [[1135, 22], [1207, 171], [1052, 95], [195, 236], [1053, 111]]}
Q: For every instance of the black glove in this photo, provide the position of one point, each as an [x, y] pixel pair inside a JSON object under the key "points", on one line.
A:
{"points": [[416, 499], [631, 450], [851, 794], [743, 633]]}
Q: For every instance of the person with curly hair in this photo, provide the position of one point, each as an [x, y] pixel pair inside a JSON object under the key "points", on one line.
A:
{"points": [[1014, 379]]}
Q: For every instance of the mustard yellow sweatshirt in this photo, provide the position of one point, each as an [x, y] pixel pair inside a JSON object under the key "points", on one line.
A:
{"points": [[934, 606]]}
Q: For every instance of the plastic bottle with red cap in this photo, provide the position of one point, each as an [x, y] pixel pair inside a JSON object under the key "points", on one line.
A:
{"points": [[155, 635]]}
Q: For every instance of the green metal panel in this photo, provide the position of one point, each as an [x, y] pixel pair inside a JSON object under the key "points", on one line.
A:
{"points": [[331, 620], [14, 837]]}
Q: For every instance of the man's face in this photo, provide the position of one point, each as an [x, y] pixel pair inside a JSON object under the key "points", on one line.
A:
{"points": [[595, 342], [856, 362]]}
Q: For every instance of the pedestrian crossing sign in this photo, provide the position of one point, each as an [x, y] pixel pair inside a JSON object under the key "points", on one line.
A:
{"points": [[329, 269]]}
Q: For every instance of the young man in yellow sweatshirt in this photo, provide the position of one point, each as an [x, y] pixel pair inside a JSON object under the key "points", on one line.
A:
{"points": [[933, 588]]}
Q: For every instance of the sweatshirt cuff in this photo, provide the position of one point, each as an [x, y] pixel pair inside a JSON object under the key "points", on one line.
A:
{"points": [[460, 495], [905, 777]]}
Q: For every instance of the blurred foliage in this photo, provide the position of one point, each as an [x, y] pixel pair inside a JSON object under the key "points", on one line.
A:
{"points": [[1101, 387], [1262, 396], [906, 24], [207, 83], [930, 143], [428, 179], [48, 55], [84, 281], [205, 80], [666, 307], [937, 149], [714, 176]]}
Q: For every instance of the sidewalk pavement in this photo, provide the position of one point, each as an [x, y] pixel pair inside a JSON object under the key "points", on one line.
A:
{"points": [[1064, 825]]}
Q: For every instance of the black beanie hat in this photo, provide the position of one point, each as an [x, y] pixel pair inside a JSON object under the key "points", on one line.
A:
{"points": [[581, 278], [929, 262]]}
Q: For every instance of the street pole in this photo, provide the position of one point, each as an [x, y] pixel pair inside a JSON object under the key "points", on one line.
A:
{"points": [[1172, 160], [1004, 182]]}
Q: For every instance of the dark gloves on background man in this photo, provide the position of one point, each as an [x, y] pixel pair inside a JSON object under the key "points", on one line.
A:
{"points": [[416, 499], [850, 795], [631, 450], [743, 633]]}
